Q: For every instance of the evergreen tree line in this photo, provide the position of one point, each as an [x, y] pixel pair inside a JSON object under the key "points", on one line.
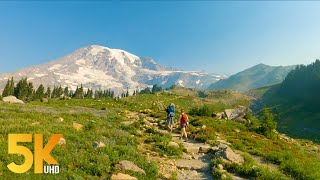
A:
{"points": [[25, 91], [147, 90], [302, 85], [155, 88]]}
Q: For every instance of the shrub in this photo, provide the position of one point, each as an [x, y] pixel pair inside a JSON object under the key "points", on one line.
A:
{"points": [[201, 111], [163, 148], [202, 94], [276, 157], [268, 125]]}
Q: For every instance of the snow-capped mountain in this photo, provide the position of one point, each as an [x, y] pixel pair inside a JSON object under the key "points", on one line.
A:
{"points": [[100, 67]]}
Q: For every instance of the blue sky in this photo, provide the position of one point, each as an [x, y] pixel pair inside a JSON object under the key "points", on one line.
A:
{"points": [[218, 37]]}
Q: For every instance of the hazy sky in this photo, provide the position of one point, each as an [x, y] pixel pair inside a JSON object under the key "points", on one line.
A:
{"points": [[218, 37]]}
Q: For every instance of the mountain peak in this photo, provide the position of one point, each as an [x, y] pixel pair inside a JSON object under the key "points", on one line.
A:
{"points": [[118, 54], [99, 67], [257, 76], [261, 65]]}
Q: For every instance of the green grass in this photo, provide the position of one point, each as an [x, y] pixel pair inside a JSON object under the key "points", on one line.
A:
{"points": [[80, 160], [253, 171]]}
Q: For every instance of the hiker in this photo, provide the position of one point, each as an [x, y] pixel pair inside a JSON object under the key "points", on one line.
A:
{"points": [[170, 114], [184, 121]]}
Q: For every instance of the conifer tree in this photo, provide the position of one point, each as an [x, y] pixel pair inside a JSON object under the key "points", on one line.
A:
{"points": [[71, 94], [6, 91], [79, 94], [40, 92], [59, 91], [54, 92], [11, 89], [267, 123], [66, 91], [48, 93], [30, 93], [21, 90], [127, 94]]}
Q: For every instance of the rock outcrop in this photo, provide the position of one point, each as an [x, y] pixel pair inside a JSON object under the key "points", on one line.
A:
{"points": [[226, 153], [237, 114], [125, 165], [12, 99]]}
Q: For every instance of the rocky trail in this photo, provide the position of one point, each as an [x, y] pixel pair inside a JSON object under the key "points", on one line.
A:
{"points": [[195, 162]]}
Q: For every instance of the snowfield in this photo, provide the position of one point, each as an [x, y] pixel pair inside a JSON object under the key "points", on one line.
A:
{"points": [[98, 67]]}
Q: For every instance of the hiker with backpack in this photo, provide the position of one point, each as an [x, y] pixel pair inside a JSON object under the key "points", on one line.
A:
{"points": [[170, 114], [184, 121]]}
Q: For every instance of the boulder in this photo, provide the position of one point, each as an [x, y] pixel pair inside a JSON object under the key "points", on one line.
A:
{"points": [[62, 141], [12, 99], [77, 126], [231, 114], [129, 166], [204, 148], [218, 115], [121, 176], [225, 152], [44, 100], [191, 149], [240, 120], [173, 144], [98, 144], [60, 119]]}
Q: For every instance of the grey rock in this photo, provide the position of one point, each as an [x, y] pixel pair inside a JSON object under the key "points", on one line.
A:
{"points": [[234, 113], [191, 149], [227, 153], [98, 144], [12, 99], [173, 144], [204, 148], [240, 120], [44, 100], [129, 166], [218, 115], [62, 141]]}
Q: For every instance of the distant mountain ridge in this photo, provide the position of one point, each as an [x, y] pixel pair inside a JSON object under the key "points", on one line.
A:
{"points": [[296, 101], [254, 77], [99, 67]]}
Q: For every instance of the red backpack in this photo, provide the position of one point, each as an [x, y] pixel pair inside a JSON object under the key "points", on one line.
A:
{"points": [[184, 118]]}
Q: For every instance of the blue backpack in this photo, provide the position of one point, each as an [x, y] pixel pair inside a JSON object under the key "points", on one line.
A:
{"points": [[171, 110]]}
